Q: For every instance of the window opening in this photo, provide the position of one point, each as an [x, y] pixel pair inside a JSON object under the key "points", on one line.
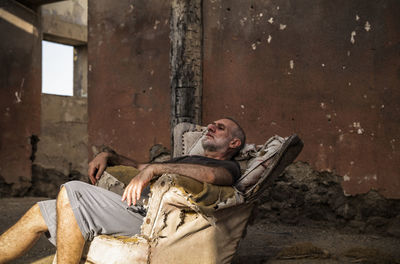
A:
{"points": [[57, 68]]}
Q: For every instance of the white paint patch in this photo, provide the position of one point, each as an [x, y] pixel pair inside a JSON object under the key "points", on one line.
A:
{"points": [[277, 8], [351, 163], [382, 106], [323, 105], [358, 128], [90, 68], [344, 67], [243, 21], [18, 96], [156, 24], [348, 53], [341, 137], [346, 178], [151, 88], [323, 64], [22, 83], [352, 39], [254, 46], [367, 26], [357, 18], [282, 27], [269, 39], [370, 177], [365, 96], [349, 84], [291, 63], [392, 142], [242, 106], [271, 20], [261, 14]]}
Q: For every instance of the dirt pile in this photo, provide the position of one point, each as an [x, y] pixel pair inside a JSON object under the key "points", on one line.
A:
{"points": [[302, 195]]}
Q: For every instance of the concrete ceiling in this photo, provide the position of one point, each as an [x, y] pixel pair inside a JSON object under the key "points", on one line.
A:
{"points": [[36, 3]]}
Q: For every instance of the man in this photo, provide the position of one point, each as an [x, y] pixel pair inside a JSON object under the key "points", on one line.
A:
{"points": [[83, 211]]}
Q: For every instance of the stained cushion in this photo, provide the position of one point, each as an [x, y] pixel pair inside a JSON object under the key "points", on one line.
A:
{"points": [[253, 159]]}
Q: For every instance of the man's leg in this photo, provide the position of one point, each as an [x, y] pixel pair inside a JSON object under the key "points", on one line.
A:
{"points": [[22, 236], [70, 241], [85, 211]]}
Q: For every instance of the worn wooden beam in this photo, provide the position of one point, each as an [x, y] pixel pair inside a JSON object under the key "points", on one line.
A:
{"points": [[186, 61]]}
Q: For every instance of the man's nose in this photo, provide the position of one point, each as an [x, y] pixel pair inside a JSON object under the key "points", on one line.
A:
{"points": [[211, 127]]}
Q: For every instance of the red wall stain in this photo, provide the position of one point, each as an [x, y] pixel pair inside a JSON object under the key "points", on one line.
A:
{"points": [[343, 99], [129, 91]]}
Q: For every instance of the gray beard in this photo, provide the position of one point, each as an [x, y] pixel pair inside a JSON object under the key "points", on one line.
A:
{"points": [[207, 146]]}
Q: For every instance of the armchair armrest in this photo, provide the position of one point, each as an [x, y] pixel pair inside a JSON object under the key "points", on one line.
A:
{"points": [[184, 214]]}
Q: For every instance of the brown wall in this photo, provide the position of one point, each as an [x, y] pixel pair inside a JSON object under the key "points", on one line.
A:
{"points": [[63, 139], [129, 92], [342, 98], [20, 88]]}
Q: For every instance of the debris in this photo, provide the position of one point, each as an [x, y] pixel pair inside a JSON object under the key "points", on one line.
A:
{"points": [[302, 251]]}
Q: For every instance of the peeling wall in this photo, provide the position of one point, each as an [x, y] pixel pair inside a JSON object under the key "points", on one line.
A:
{"points": [[65, 22], [20, 83], [327, 70], [72, 11], [63, 141], [129, 92]]}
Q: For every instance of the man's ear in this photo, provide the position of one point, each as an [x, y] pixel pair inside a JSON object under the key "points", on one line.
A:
{"points": [[234, 143]]}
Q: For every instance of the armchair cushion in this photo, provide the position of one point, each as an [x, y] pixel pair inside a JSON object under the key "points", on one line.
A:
{"points": [[256, 161]]}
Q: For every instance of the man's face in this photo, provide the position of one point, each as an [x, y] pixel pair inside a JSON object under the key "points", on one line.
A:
{"points": [[218, 135]]}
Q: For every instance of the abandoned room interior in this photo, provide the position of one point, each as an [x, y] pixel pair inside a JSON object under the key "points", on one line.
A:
{"points": [[326, 70]]}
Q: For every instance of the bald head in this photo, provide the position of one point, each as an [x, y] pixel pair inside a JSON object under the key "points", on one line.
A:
{"points": [[224, 139]]}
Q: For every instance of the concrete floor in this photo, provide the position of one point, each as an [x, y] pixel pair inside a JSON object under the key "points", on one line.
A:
{"points": [[261, 245]]}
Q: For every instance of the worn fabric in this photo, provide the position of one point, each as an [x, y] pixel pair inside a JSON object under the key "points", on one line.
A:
{"points": [[97, 211], [101, 212], [230, 165]]}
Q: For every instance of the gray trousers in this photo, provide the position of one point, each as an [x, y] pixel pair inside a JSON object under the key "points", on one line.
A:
{"points": [[97, 212]]}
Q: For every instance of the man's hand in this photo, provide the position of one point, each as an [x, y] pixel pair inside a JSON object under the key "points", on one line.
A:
{"points": [[138, 183], [97, 166]]}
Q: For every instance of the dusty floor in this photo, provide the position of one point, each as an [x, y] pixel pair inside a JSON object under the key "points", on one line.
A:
{"points": [[262, 244]]}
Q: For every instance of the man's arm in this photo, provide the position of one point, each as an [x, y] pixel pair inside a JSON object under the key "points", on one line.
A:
{"points": [[213, 175], [100, 162]]}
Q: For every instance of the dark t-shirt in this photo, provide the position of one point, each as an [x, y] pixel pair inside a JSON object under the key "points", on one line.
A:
{"points": [[230, 165]]}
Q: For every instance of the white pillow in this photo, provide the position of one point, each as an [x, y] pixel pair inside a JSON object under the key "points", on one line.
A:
{"points": [[258, 163], [253, 159]]}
